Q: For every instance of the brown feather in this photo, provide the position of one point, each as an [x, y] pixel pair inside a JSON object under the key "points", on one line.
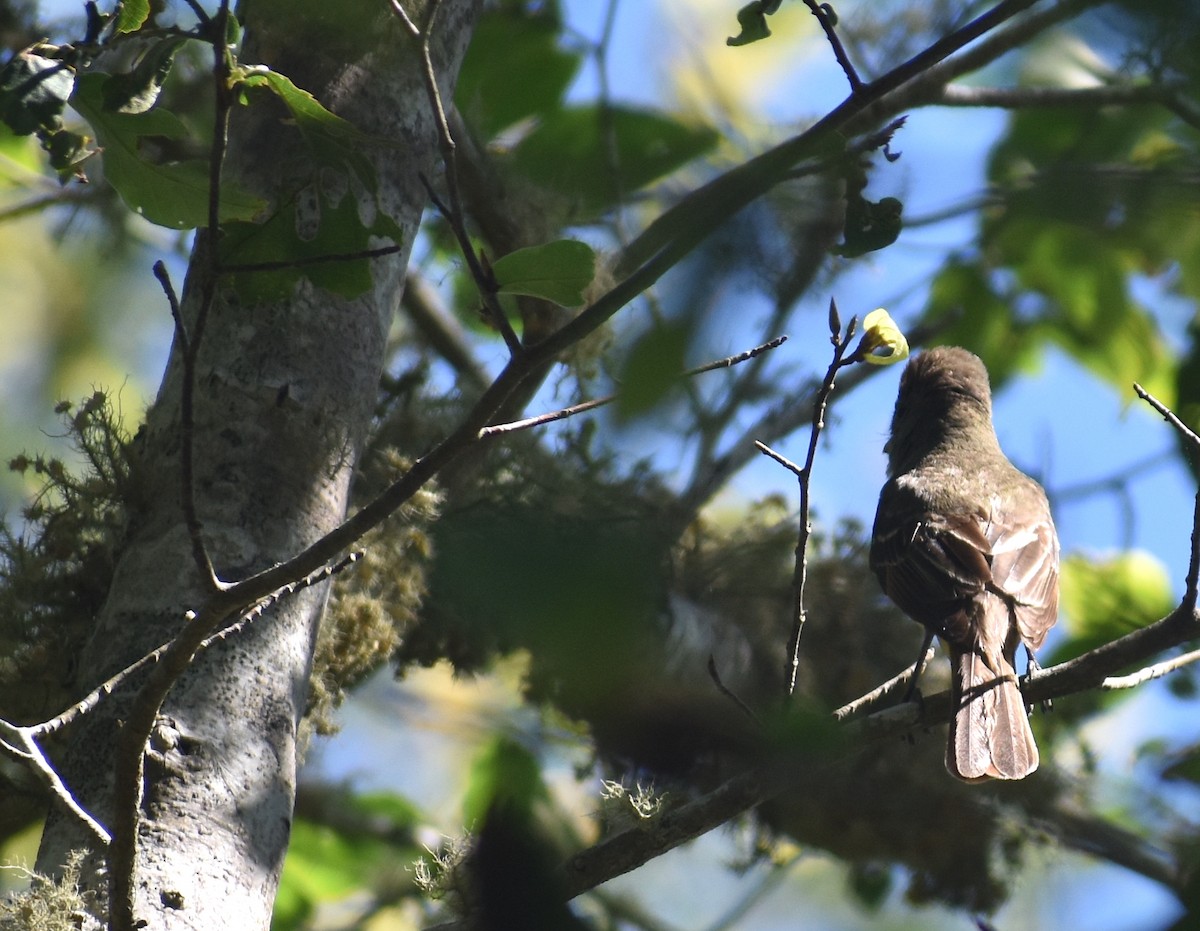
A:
{"points": [[964, 544]]}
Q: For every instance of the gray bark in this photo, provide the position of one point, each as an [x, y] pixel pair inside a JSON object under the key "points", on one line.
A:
{"points": [[284, 396]]}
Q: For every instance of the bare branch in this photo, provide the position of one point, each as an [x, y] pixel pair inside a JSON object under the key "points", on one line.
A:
{"points": [[876, 696], [453, 212], [1157, 671], [841, 342], [1014, 98], [187, 433], [584, 407], [21, 744], [326, 259], [1169, 416], [629, 849], [783, 460], [825, 16], [927, 86]]}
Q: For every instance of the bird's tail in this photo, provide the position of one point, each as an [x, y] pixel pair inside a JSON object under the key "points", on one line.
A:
{"points": [[990, 737]]}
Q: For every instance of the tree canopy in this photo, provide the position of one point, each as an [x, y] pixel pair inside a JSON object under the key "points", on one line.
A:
{"points": [[417, 518]]}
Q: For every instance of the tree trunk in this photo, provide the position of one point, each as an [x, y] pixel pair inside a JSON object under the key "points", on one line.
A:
{"points": [[284, 398]]}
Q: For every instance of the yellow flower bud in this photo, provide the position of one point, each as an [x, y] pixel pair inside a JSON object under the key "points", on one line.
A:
{"points": [[882, 342]]}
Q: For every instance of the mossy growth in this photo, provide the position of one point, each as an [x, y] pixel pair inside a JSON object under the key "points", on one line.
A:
{"points": [[48, 904], [56, 565], [374, 602]]}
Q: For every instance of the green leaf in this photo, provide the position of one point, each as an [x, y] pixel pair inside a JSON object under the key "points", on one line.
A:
{"points": [[137, 91], [172, 194], [558, 271], [325, 864], [753, 23], [1103, 599], [332, 140], [513, 69], [132, 14], [506, 774], [33, 91], [569, 152], [317, 231], [314, 234], [652, 369], [1088, 308]]}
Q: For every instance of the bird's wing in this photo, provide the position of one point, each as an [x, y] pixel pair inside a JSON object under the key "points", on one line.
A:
{"points": [[931, 565], [1024, 559]]}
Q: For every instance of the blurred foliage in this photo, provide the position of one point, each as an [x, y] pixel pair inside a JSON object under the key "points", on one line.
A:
{"points": [[343, 840], [1103, 599]]}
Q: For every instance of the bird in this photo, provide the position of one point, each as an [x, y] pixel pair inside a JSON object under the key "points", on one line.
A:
{"points": [[964, 543]]}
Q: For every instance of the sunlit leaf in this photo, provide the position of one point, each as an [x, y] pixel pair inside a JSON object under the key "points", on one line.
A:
{"points": [[33, 91], [132, 14], [1102, 599]]}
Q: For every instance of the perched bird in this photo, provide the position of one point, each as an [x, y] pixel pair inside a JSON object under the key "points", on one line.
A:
{"points": [[964, 544]]}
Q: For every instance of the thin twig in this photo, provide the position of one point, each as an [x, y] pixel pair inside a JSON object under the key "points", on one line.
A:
{"points": [[484, 279], [584, 407], [453, 212], [1016, 98], [841, 342], [329, 257], [1169, 416], [822, 11], [187, 431], [1193, 441], [796, 470], [24, 748], [725, 690], [1193, 573], [880, 692], [1157, 671]]}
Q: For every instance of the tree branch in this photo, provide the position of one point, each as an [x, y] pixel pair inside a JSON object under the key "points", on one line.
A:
{"points": [[453, 212], [20, 744], [1015, 98], [825, 16], [563, 414]]}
